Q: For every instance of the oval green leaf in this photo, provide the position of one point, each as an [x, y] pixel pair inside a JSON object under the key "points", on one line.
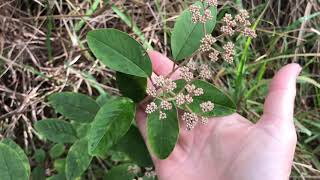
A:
{"points": [[133, 145], [57, 177], [11, 165], [38, 173], [56, 130], [19, 151], [162, 135], [111, 123], [186, 35], [119, 173], [120, 52], [74, 106], [78, 159], [103, 98], [59, 165], [223, 104], [133, 87], [57, 150], [39, 156]]}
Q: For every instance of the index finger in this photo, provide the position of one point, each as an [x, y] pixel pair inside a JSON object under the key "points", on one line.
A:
{"points": [[162, 65]]}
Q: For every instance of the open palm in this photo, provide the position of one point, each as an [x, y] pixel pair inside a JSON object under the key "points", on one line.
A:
{"points": [[232, 147]]}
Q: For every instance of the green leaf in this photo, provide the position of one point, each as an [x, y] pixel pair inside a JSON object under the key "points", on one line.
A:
{"points": [[56, 130], [133, 87], [57, 177], [81, 128], [111, 122], [223, 104], [133, 145], [162, 135], [74, 106], [56, 151], [60, 165], [150, 178], [119, 52], [186, 35], [78, 159], [23, 157], [40, 155], [38, 173], [119, 173], [117, 156], [103, 98], [11, 166]]}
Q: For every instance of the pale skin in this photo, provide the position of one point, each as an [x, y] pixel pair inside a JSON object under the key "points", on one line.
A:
{"points": [[232, 147]]}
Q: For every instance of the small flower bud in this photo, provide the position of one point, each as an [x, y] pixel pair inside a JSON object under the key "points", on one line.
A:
{"points": [[186, 74], [204, 120], [192, 65], [159, 81], [207, 42], [190, 88], [195, 13], [151, 91], [134, 169], [162, 115], [228, 52], [166, 105], [151, 108], [188, 98], [207, 106], [212, 2], [249, 32], [180, 100], [198, 92], [214, 56], [191, 120], [205, 72]]}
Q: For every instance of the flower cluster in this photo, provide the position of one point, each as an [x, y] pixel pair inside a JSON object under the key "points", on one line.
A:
{"points": [[191, 120], [210, 2], [164, 106], [229, 26], [228, 52], [207, 42], [148, 173], [214, 56], [202, 17], [134, 169], [205, 72], [192, 91], [240, 24], [207, 106], [184, 97], [197, 16], [165, 85], [186, 73]]}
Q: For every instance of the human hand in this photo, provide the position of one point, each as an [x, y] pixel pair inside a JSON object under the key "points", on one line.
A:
{"points": [[232, 147]]}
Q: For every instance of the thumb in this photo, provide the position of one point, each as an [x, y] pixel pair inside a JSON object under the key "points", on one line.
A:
{"points": [[279, 104]]}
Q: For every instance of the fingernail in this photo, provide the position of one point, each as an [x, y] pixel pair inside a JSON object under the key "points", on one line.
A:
{"points": [[298, 69]]}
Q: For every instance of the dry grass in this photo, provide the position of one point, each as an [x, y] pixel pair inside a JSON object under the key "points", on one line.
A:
{"points": [[41, 52]]}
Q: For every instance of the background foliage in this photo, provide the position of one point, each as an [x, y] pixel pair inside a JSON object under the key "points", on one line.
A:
{"points": [[41, 55]]}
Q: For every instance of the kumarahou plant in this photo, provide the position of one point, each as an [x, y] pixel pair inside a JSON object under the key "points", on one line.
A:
{"points": [[96, 127]]}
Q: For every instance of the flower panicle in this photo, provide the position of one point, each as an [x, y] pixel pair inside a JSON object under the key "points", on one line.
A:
{"points": [[202, 15]]}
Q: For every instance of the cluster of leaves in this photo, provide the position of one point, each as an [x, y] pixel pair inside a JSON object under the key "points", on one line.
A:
{"points": [[94, 128]]}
